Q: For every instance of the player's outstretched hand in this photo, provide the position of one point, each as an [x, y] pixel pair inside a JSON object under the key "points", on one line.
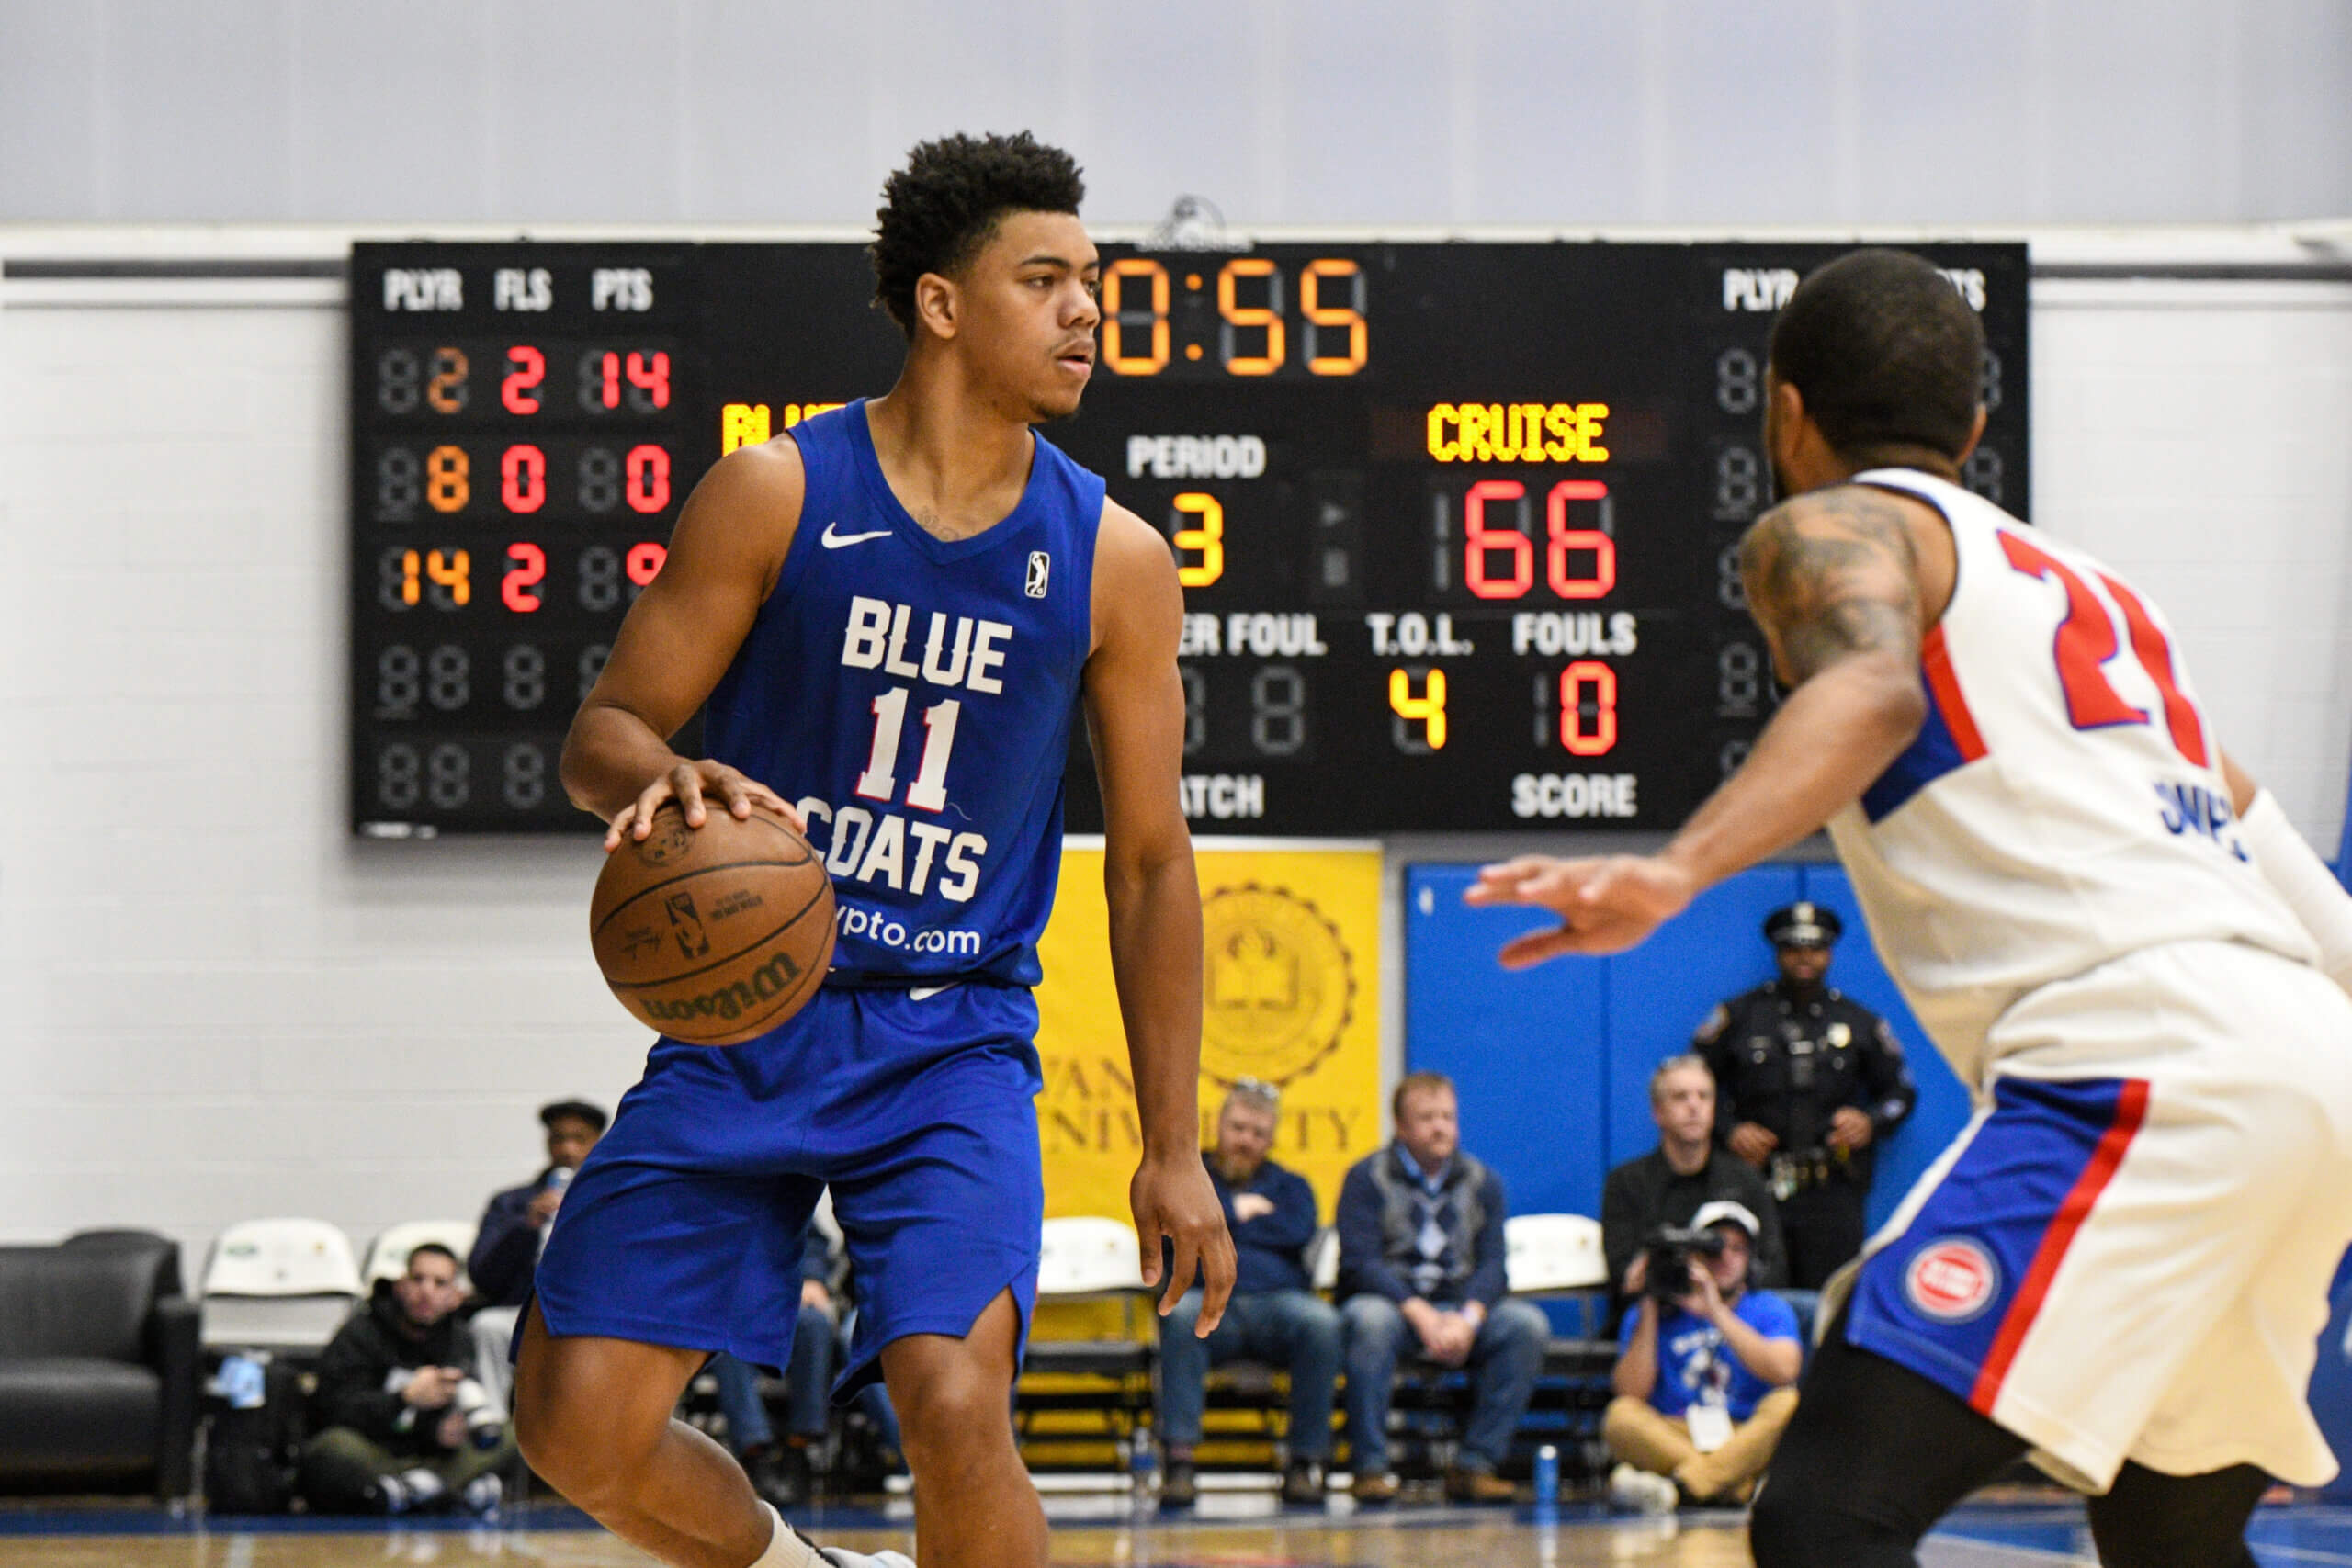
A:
{"points": [[1174, 1199], [693, 786], [1605, 905]]}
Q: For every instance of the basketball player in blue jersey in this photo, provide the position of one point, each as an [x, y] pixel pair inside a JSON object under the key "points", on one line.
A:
{"points": [[893, 612]]}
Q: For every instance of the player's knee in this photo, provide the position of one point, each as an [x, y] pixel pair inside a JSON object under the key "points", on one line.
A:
{"points": [[957, 1411], [579, 1445]]}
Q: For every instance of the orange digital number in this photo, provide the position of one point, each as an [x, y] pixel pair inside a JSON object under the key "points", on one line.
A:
{"points": [[1428, 708], [1206, 535], [452, 571], [1348, 316], [1239, 318], [448, 485], [447, 390], [1117, 317]]}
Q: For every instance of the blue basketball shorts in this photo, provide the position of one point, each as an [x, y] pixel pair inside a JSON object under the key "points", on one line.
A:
{"points": [[686, 1225]]}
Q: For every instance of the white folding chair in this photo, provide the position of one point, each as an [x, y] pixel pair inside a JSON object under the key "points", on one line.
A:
{"points": [[284, 1285], [1546, 1253], [388, 1258], [1088, 1255], [1091, 1257]]}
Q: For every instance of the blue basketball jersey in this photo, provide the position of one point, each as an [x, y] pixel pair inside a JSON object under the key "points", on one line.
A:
{"points": [[913, 697]]}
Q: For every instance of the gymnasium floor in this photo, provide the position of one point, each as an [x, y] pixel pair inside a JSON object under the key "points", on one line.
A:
{"points": [[1101, 1535]]}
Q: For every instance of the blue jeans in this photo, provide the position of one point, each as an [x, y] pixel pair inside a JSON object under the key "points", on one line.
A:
{"points": [[1505, 1360], [1295, 1330], [806, 1383]]}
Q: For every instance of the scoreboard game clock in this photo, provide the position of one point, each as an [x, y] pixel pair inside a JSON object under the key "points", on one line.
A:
{"points": [[1456, 523]]}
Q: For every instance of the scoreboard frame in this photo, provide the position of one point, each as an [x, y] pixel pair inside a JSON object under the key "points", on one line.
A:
{"points": [[1456, 521]]}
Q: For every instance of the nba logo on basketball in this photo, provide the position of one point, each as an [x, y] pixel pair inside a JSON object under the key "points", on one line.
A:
{"points": [[1952, 1281], [1039, 565], [685, 924]]}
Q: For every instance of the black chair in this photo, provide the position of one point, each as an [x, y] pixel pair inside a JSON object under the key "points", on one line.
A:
{"points": [[99, 1368]]}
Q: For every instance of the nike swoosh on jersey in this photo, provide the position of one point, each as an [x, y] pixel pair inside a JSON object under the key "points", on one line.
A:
{"points": [[924, 993], [833, 541]]}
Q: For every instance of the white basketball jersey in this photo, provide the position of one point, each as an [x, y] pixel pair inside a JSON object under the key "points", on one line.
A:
{"points": [[2063, 803]]}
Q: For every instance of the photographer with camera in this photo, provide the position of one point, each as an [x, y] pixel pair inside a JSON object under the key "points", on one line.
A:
{"points": [[1704, 1369], [400, 1426], [1683, 1174]]}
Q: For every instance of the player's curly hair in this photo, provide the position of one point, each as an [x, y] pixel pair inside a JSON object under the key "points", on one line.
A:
{"points": [[940, 210], [1886, 353]]}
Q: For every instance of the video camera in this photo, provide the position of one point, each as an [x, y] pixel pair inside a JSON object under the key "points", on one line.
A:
{"points": [[1671, 1250]]}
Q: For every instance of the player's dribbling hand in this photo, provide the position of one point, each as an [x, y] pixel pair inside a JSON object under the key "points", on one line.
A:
{"points": [[693, 786], [1605, 905], [1173, 1199]]}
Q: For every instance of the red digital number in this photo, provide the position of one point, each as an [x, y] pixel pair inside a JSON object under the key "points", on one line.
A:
{"points": [[1481, 541], [645, 561], [1566, 542], [1581, 739], [526, 368], [651, 374], [648, 478], [522, 479], [525, 564]]}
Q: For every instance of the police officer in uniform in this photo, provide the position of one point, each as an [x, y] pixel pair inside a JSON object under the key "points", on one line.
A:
{"points": [[1807, 1084]]}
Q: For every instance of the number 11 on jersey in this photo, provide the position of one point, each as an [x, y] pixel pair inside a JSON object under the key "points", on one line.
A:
{"points": [[928, 792]]}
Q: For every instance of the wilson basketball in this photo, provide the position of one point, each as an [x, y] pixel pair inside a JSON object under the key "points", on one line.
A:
{"points": [[713, 935]]}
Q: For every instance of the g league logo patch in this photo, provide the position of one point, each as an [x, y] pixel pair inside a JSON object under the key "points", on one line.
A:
{"points": [[1040, 565], [1952, 1280]]}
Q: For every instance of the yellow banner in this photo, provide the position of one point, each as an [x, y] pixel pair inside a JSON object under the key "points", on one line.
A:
{"points": [[1292, 997]]}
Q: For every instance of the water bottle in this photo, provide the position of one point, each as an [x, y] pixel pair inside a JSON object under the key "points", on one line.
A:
{"points": [[1143, 1467], [1547, 1482], [241, 1383]]}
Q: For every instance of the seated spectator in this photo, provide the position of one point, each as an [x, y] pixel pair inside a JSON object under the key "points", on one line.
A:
{"points": [[515, 1231], [1422, 1269], [398, 1426], [1679, 1178], [1274, 1315], [780, 1472], [1702, 1378]]}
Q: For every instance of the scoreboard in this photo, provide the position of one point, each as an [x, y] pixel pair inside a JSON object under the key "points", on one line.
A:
{"points": [[1456, 523]]}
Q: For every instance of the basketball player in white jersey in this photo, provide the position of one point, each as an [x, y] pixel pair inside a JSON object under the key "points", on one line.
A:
{"points": [[2121, 1266]]}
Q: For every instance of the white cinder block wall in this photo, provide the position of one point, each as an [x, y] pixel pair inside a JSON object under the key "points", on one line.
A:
{"points": [[214, 1005]]}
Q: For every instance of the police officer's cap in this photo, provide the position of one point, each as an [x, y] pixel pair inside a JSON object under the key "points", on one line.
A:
{"points": [[1802, 924]]}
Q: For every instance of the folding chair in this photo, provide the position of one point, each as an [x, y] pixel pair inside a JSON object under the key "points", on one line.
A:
{"points": [[282, 1285]]}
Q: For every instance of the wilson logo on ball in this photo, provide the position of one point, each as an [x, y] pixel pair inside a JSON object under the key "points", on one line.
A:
{"points": [[740, 998], [1953, 1279]]}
